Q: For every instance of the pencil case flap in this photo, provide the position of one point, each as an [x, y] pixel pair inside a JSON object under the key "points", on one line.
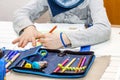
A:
{"points": [[23, 54]]}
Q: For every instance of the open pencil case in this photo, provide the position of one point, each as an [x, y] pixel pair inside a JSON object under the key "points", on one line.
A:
{"points": [[53, 63]]}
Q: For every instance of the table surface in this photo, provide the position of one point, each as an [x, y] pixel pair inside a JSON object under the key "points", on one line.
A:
{"points": [[110, 47]]}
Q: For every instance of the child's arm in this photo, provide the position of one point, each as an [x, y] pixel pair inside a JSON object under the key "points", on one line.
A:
{"points": [[99, 32], [25, 16], [24, 19]]}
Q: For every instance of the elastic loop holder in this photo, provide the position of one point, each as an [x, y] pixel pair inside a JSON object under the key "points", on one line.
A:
{"points": [[61, 38]]}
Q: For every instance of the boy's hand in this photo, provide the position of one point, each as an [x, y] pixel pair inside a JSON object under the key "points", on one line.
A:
{"points": [[30, 34], [53, 41]]}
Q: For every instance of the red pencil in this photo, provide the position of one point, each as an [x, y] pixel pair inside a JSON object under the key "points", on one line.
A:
{"points": [[52, 29], [63, 63]]}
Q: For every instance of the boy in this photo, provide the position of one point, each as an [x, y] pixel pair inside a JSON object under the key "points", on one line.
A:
{"points": [[63, 11]]}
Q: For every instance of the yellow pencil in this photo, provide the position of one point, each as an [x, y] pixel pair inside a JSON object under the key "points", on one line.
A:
{"points": [[69, 64]]}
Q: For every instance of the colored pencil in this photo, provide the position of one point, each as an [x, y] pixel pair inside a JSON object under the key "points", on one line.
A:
{"points": [[12, 60], [69, 64], [79, 63], [52, 29], [63, 63]]}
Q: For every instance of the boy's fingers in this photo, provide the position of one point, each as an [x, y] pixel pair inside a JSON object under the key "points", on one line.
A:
{"points": [[24, 43], [42, 40], [16, 40], [42, 36], [43, 44], [20, 43], [39, 35], [33, 41]]}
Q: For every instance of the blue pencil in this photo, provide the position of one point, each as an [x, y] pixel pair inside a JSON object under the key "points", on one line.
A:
{"points": [[8, 55]]}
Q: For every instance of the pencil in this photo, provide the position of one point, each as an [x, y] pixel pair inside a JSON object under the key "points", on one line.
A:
{"points": [[38, 44], [52, 29], [69, 64], [63, 63], [12, 60], [83, 61], [79, 64]]}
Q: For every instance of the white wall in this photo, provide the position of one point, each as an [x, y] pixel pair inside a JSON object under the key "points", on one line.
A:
{"points": [[7, 8]]}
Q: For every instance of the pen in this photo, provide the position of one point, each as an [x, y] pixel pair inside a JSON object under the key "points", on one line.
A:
{"points": [[52, 29]]}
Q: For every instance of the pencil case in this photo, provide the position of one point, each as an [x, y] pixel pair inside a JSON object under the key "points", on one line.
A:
{"points": [[52, 62]]}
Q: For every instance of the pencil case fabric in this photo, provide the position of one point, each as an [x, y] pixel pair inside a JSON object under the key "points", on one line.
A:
{"points": [[2, 65], [2, 69], [28, 62]]}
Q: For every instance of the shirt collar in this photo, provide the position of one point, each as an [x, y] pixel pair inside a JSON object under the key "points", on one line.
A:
{"points": [[60, 6]]}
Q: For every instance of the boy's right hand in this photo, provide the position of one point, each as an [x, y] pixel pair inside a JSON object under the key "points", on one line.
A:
{"points": [[30, 34]]}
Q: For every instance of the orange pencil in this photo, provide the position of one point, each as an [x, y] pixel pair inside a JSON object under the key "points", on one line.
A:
{"points": [[79, 64], [49, 32], [52, 29]]}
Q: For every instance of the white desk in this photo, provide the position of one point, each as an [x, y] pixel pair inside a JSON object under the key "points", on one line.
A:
{"points": [[111, 47]]}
